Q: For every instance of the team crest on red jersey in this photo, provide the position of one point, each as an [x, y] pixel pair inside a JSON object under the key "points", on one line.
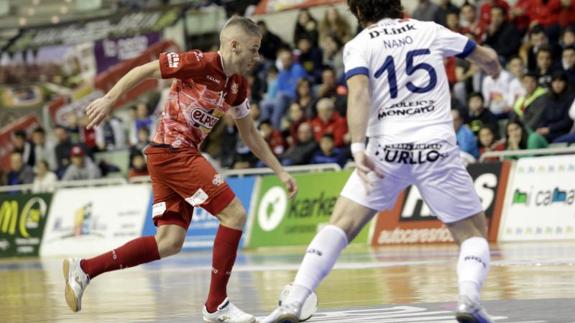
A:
{"points": [[235, 88]]}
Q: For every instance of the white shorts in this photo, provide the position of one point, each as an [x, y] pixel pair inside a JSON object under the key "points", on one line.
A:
{"points": [[435, 169]]}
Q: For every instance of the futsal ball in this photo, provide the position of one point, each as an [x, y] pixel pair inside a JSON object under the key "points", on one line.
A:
{"points": [[308, 308]]}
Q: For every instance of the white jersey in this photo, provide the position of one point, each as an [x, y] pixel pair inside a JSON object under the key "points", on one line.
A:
{"points": [[404, 59]]}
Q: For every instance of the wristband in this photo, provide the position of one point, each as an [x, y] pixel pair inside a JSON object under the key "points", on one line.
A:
{"points": [[357, 147]]}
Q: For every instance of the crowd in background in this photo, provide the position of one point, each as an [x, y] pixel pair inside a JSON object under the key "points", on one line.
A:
{"points": [[299, 102]]}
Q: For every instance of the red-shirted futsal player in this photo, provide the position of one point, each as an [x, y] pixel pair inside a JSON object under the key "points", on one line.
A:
{"points": [[206, 86]]}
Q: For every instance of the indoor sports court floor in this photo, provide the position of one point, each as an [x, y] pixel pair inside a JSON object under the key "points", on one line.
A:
{"points": [[528, 283]]}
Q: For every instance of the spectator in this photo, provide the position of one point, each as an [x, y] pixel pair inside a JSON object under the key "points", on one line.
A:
{"points": [[271, 83], [537, 40], [570, 137], [529, 107], [306, 26], [452, 21], [502, 35], [110, 134], [229, 142], [446, 8], [273, 137], [544, 66], [142, 118], [328, 121], [62, 149], [544, 12], [488, 142], [20, 173], [287, 80], [330, 89], [427, 11], [294, 119], [568, 37], [465, 138], [485, 10], [555, 120], [143, 141], [302, 151], [517, 69], [138, 166], [479, 116], [328, 153], [333, 54], [45, 180], [43, 150], [497, 93], [470, 21], [271, 42], [568, 64], [24, 147], [567, 13], [81, 167], [334, 25], [518, 137], [519, 15], [310, 58], [73, 127], [305, 97]]}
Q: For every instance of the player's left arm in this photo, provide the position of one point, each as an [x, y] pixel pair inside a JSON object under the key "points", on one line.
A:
{"points": [[254, 140]]}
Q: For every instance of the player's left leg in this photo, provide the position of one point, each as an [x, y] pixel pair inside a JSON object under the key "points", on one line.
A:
{"points": [[448, 190], [218, 308], [472, 266]]}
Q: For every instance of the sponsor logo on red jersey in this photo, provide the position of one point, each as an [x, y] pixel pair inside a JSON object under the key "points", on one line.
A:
{"points": [[204, 119], [173, 60]]}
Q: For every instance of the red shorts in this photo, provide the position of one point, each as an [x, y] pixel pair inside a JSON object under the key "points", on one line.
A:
{"points": [[181, 180]]}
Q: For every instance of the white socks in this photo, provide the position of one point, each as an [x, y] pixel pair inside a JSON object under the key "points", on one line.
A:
{"points": [[472, 267], [318, 261]]}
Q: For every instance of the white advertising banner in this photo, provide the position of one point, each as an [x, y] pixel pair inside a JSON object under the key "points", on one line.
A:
{"points": [[540, 202], [92, 220]]}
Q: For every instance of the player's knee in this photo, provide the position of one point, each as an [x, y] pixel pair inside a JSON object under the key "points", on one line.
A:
{"points": [[168, 246]]}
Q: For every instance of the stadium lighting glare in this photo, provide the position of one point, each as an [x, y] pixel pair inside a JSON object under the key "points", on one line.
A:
{"points": [[22, 21], [35, 2], [31, 11], [55, 19], [64, 10]]}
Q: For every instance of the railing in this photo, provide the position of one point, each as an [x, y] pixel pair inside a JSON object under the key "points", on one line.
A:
{"points": [[146, 179], [528, 152]]}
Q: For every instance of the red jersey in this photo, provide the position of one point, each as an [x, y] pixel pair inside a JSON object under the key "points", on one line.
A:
{"points": [[200, 95]]}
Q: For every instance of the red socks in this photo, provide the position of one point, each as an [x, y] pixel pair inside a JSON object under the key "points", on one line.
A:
{"points": [[133, 253], [223, 259]]}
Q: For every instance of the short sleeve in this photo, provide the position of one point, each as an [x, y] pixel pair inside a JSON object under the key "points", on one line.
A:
{"points": [[355, 60], [453, 44], [182, 65], [241, 105]]}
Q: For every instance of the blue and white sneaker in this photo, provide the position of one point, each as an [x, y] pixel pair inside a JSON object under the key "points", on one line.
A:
{"points": [[469, 311], [227, 313]]}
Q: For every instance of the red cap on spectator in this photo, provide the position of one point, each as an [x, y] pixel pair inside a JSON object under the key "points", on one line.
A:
{"points": [[77, 151]]}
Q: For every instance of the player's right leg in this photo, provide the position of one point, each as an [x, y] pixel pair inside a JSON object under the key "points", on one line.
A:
{"points": [[346, 222]]}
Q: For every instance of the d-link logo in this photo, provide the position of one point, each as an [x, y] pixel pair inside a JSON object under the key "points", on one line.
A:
{"points": [[272, 208]]}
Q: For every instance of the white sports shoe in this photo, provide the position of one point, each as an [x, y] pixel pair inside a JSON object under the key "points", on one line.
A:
{"points": [[285, 313], [227, 313], [469, 311], [76, 282]]}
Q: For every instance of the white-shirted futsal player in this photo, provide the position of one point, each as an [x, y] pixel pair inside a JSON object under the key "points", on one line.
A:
{"points": [[399, 98]]}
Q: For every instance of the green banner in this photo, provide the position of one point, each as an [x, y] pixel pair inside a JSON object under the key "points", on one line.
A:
{"points": [[22, 221], [277, 221]]}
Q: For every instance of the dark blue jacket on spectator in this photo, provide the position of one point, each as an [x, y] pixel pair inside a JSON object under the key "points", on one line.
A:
{"points": [[337, 156], [556, 114]]}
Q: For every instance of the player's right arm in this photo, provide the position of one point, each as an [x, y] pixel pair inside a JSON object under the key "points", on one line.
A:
{"points": [[102, 107], [487, 59]]}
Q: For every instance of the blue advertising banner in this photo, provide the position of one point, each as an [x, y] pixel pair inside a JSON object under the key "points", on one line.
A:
{"points": [[204, 226]]}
